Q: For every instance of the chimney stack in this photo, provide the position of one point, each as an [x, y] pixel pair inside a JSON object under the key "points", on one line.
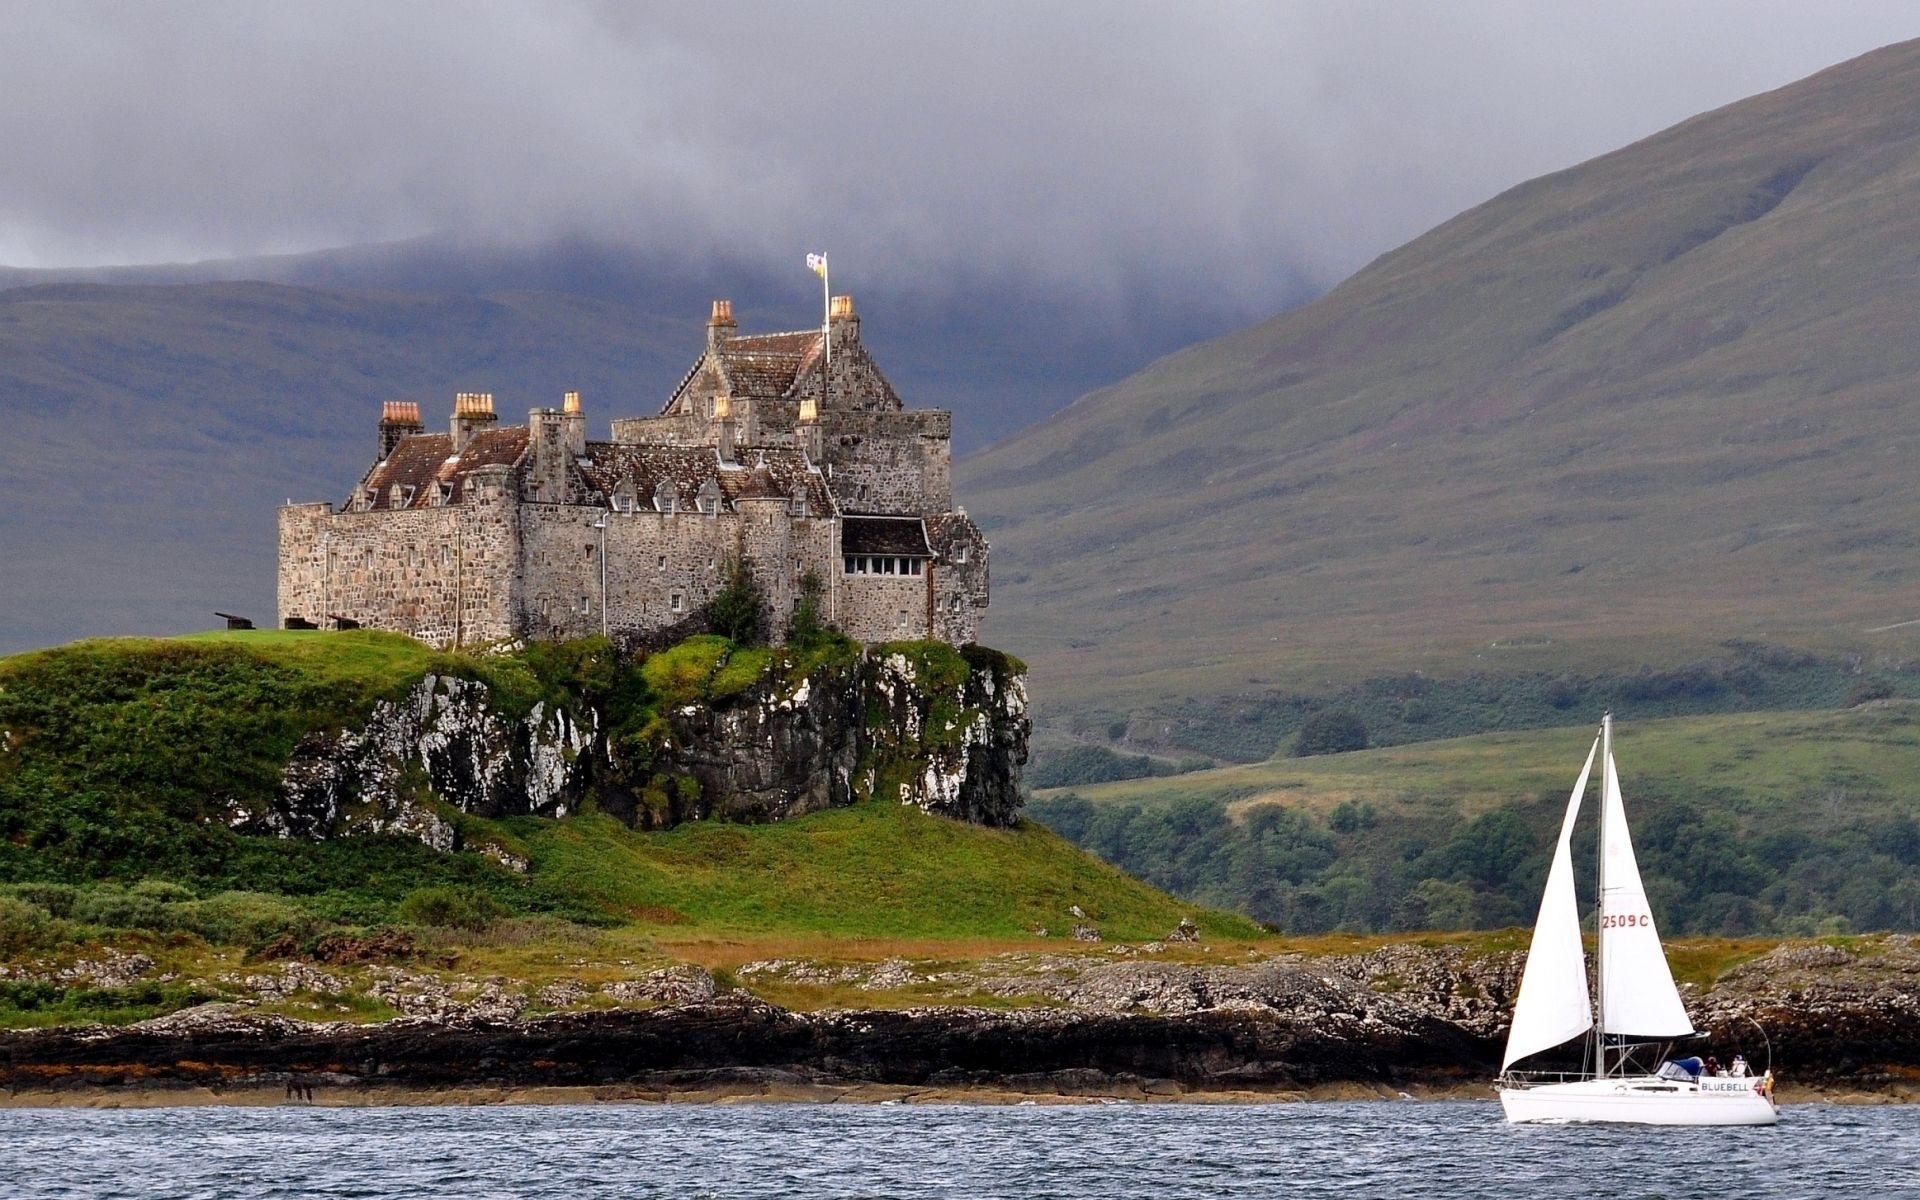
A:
{"points": [[721, 324], [471, 412], [843, 324], [398, 419], [576, 423]]}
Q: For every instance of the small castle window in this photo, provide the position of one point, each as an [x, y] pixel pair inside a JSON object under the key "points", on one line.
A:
{"points": [[589, 550], [372, 497], [850, 568], [960, 554], [913, 566], [406, 496], [663, 562], [709, 498], [798, 505], [665, 499], [586, 604], [676, 602], [446, 493]]}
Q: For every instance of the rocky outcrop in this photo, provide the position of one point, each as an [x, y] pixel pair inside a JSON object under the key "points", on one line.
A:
{"points": [[1104, 1021], [927, 725]]}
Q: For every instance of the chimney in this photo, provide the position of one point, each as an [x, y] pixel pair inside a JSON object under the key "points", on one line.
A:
{"points": [[576, 423], [472, 412], [721, 324], [398, 419], [843, 324]]}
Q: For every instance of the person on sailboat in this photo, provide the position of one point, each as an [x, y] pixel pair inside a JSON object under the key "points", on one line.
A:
{"points": [[1713, 1065], [1739, 1067]]}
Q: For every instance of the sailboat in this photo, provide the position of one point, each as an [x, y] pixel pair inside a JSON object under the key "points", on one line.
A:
{"points": [[1638, 1005]]}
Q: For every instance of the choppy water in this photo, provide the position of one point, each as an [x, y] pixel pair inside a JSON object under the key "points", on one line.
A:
{"points": [[791, 1150]]}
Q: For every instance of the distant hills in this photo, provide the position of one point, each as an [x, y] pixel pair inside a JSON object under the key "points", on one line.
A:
{"points": [[155, 416], [1613, 416]]}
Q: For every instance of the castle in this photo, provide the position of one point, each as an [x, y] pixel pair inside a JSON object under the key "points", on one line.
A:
{"points": [[788, 454]]}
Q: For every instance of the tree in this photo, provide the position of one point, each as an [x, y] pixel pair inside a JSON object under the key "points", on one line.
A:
{"points": [[738, 612], [1333, 731]]}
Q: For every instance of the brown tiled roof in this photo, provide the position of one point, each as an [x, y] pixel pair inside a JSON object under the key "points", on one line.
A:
{"points": [[424, 461], [686, 469], [884, 535], [765, 365]]}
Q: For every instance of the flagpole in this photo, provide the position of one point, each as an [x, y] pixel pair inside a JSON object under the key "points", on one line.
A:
{"points": [[826, 321]]}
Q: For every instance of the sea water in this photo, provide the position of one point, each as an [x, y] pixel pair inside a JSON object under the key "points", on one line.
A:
{"points": [[1382, 1148]]}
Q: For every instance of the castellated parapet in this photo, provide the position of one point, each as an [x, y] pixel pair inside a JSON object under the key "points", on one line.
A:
{"points": [[765, 453]]}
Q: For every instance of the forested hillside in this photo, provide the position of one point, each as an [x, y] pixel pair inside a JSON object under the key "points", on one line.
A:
{"points": [[1788, 823]]}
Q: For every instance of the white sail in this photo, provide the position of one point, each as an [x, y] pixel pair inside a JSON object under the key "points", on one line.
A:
{"points": [[1553, 1006], [1637, 996]]}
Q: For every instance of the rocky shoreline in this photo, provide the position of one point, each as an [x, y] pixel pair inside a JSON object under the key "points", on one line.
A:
{"points": [[1401, 1019]]}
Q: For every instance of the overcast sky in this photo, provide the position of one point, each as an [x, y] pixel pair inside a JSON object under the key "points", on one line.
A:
{"points": [[1209, 146]]}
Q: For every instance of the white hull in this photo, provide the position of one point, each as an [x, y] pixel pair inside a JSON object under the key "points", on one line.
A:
{"points": [[1641, 1100]]}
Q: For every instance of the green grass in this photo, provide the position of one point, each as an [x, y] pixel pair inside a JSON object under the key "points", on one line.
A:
{"points": [[874, 870], [1750, 762]]}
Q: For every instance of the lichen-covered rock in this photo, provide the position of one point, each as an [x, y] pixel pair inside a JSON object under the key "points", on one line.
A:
{"points": [[446, 741], [921, 723]]}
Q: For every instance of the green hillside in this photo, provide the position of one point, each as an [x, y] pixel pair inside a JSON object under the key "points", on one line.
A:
{"points": [[113, 754], [1611, 418], [1776, 823]]}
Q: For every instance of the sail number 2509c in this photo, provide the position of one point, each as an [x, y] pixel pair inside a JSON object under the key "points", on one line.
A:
{"points": [[1625, 921]]}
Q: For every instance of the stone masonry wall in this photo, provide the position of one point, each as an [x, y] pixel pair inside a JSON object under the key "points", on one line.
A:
{"points": [[888, 462], [435, 573]]}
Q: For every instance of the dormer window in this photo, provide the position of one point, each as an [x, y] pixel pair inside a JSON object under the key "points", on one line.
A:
{"points": [[406, 496], [709, 498], [798, 505], [960, 554], [371, 498], [446, 493], [665, 499]]}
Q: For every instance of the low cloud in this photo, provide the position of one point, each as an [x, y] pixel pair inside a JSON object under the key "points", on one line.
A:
{"points": [[1189, 149]]}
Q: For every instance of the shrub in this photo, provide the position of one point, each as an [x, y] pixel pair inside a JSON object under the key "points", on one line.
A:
{"points": [[737, 613], [23, 926], [808, 621], [56, 898], [457, 908], [1869, 690], [1333, 731], [243, 918], [114, 908]]}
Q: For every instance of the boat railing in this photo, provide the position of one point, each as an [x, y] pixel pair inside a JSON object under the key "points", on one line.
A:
{"points": [[1535, 1078]]}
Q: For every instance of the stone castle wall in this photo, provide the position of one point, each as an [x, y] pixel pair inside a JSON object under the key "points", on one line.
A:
{"points": [[443, 574], [889, 462]]}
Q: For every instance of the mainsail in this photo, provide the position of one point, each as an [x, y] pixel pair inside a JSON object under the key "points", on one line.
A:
{"points": [[1553, 1006], [1637, 996]]}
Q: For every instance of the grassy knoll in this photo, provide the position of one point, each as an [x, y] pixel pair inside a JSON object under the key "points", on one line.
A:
{"points": [[1782, 823], [873, 871], [115, 755]]}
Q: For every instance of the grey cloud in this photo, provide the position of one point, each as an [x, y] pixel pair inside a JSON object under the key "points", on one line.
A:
{"points": [[1102, 146]]}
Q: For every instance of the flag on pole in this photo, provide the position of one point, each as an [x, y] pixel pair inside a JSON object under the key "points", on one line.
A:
{"points": [[817, 263]]}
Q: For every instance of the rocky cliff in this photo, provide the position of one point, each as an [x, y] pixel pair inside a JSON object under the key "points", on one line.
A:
{"points": [[923, 724]]}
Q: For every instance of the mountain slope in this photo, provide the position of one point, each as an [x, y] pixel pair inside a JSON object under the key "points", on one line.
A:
{"points": [[1617, 413]]}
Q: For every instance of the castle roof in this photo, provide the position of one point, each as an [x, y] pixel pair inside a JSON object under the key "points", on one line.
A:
{"points": [[424, 461], [766, 365], [884, 535]]}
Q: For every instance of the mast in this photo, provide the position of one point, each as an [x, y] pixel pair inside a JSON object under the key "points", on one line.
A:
{"points": [[1600, 901]]}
